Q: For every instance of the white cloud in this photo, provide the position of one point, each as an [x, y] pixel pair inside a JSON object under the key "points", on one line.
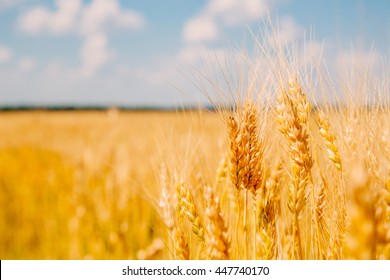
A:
{"points": [[26, 64], [75, 17], [40, 19], [64, 19], [102, 12], [206, 25], [35, 20], [288, 31], [5, 54], [130, 19], [89, 20], [234, 12], [94, 54], [200, 29]]}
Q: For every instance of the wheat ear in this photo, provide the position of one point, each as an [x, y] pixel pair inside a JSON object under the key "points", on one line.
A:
{"points": [[293, 110], [187, 208], [252, 158], [330, 141], [269, 213], [180, 244], [216, 240], [235, 154]]}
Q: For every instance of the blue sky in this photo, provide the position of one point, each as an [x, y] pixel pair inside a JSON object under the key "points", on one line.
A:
{"points": [[112, 52]]}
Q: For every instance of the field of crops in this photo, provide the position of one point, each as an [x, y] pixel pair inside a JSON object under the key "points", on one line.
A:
{"points": [[77, 185], [285, 182]]}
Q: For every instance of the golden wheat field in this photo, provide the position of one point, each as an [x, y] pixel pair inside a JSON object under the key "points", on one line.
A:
{"points": [[83, 185], [286, 182]]}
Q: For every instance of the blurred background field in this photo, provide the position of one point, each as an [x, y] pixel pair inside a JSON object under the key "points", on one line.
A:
{"points": [[82, 185]]}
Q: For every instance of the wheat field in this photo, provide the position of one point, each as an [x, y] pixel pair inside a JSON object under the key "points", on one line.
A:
{"points": [[80, 185], [304, 184]]}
